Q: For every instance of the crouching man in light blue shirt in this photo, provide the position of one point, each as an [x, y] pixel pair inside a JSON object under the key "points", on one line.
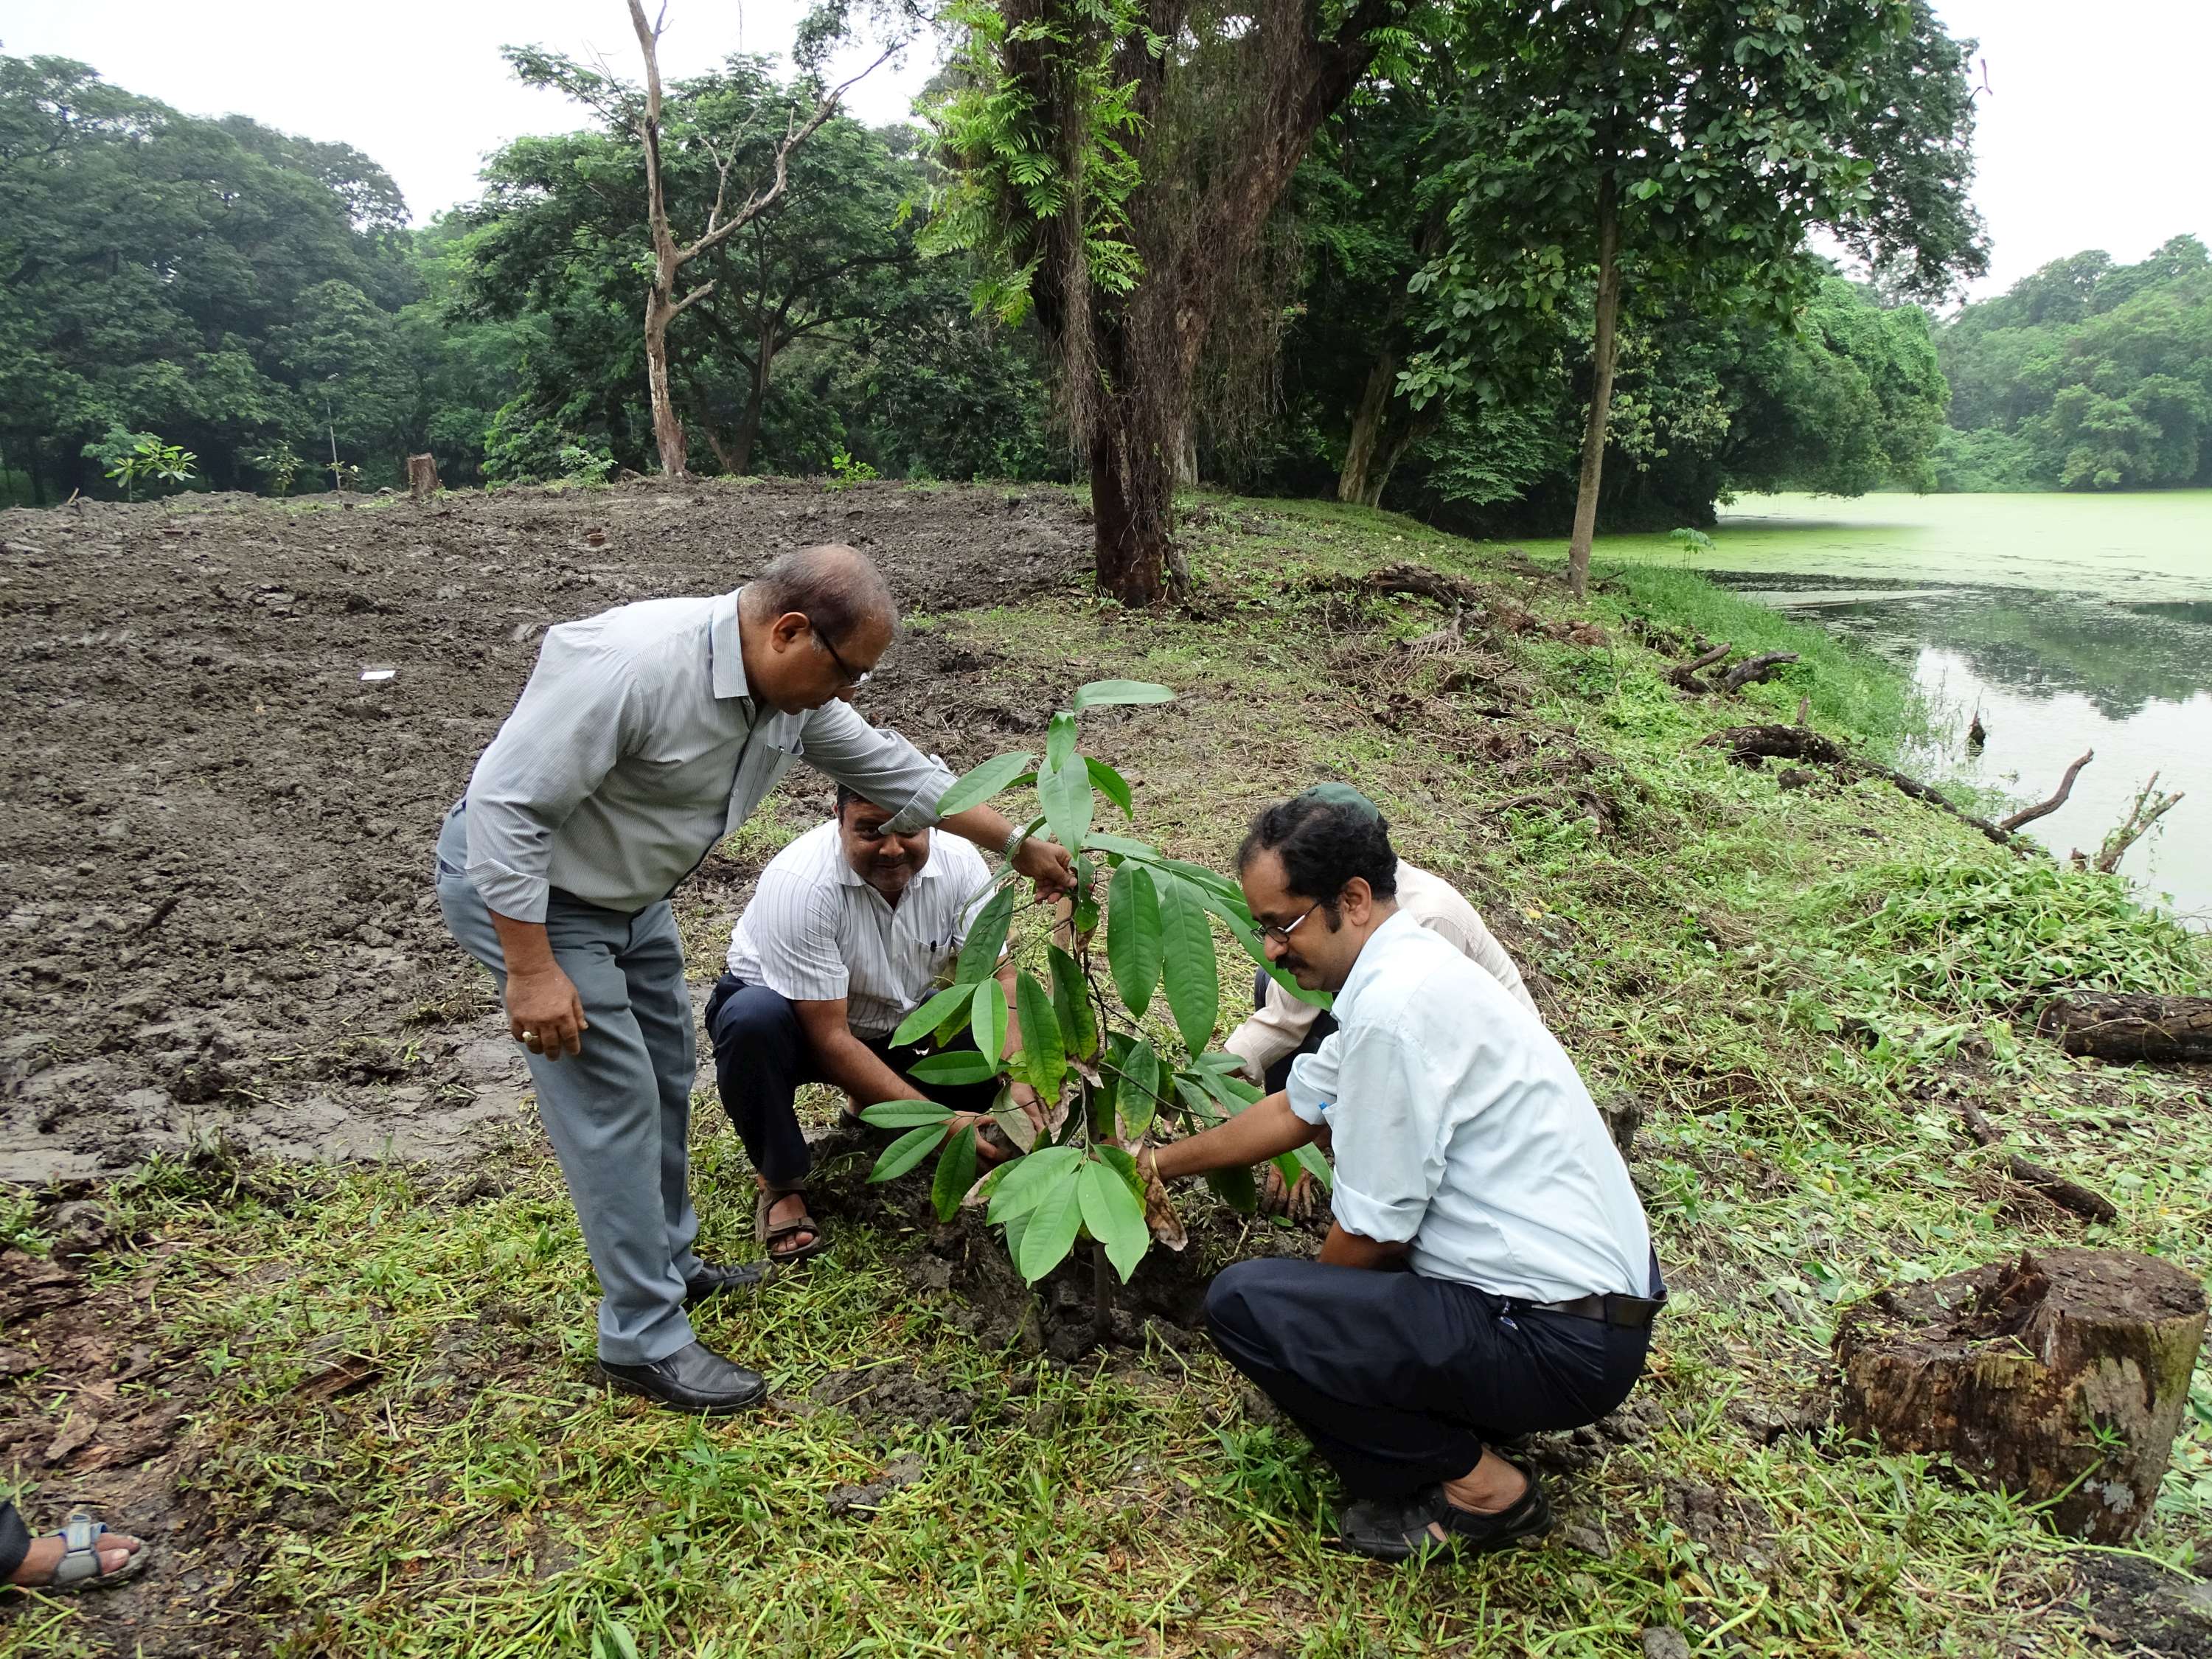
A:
{"points": [[1488, 1273]]}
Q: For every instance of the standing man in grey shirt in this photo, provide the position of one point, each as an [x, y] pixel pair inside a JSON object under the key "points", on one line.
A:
{"points": [[646, 734]]}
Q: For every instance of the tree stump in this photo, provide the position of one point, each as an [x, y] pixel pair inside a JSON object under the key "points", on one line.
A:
{"points": [[422, 476], [2063, 1372], [2111, 1026]]}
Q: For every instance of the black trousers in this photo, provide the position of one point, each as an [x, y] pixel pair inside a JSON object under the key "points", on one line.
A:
{"points": [[15, 1541], [1324, 1022], [1401, 1380], [761, 1056]]}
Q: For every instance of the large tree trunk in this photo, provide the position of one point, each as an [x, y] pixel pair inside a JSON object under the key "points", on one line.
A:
{"points": [[2060, 1378], [1364, 474], [1601, 357], [667, 430], [1133, 499], [2111, 1026]]}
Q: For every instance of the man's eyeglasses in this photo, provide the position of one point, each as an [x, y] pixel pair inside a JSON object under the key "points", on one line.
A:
{"points": [[1270, 930], [856, 681]]}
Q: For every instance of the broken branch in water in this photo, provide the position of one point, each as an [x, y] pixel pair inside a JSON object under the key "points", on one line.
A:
{"points": [[2029, 815], [2149, 807]]}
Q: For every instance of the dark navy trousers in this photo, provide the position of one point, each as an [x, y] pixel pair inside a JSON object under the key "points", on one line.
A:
{"points": [[1401, 1380], [761, 1056]]}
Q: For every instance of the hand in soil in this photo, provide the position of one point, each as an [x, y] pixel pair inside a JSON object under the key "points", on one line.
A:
{"points": [[1299, 1202], [991, 1147], [544, 1014]]}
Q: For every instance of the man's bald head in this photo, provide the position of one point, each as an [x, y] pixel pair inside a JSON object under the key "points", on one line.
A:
{"points": [[836, 586]]}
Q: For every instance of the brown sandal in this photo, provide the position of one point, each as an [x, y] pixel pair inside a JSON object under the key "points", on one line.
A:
{"points": [[770, 1236]]}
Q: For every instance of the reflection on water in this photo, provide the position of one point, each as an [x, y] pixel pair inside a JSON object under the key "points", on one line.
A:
{"points": [[2071, 622], [2051, 675]]}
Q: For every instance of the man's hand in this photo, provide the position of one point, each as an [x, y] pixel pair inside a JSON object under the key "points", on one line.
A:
{"points": [[1046, 863], [543, 1012], [1300, 1201]]}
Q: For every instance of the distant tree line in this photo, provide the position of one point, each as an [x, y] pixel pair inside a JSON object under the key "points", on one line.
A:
{"points": [[2087, 375], [259, 299]]}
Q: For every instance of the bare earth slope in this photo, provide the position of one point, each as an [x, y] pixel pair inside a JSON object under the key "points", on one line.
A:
{"points": [[213, 861]]}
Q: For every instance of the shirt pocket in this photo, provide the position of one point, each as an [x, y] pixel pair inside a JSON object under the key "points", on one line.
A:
{"points": [[759, 771]]}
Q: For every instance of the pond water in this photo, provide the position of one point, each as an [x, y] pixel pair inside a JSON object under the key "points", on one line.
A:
{"points": [[2071, 622]]}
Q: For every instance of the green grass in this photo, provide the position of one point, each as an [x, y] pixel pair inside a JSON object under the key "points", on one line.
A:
{"points": [[1796, 985]]}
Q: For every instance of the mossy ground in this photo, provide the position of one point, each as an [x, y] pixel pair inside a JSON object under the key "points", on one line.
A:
{"points": [[400, 1449]]}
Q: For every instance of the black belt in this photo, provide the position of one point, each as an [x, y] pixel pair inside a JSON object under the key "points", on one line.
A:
{"points": [[1633, 1312]]}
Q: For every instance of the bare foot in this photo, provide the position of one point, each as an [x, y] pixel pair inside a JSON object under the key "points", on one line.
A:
{"points": [[113, 1548]]}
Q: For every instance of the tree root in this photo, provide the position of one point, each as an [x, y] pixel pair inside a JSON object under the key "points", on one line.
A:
{"points": [[1750, 745]]}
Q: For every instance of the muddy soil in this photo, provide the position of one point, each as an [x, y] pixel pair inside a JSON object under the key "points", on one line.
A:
{"points": [[213, 869]]}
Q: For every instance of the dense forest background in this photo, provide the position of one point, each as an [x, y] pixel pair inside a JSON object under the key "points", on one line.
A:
{"points": [[260, 300]]}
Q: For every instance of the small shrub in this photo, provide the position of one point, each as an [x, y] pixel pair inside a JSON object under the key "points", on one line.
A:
{"points": [[844, 471], [279, 465], [131, 457]]}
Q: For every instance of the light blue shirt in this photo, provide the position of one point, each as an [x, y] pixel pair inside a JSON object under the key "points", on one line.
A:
{"points": [[1459, 1125], [637, 745]]}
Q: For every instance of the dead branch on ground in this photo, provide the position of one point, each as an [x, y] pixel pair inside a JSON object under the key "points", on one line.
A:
{"points": [[2066, 1195]]}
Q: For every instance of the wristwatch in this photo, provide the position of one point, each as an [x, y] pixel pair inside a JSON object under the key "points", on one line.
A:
{"points": [[1014, 842]]}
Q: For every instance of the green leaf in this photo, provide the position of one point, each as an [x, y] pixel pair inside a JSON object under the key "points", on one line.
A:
{"points": [[979, 786], [1310, 1160], [1235, 1188], [956, 1173], [956, 1065], [1100, 694], [1053, 1220], [904, 1113], [1064, 791], [929, 1015], [1195, 1094], [1138, 1096], [987, 938], [1044, 1060], [1112, 784], [1059, 744], [1287, 1167], [1132, 936], [1026, 1180], [1127, 846], [987, 1018], [908, 1150], [1125, 1166], [1114, 1216], [1071, 1004], [1193, 977]]}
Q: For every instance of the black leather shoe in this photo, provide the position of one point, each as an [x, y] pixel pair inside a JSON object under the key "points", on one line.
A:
{"points": [[693, 1379], [1397, 1528], [713, 1279]]}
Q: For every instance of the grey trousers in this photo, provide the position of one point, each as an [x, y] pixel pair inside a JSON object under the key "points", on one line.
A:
{"points": [[619, 1112]]}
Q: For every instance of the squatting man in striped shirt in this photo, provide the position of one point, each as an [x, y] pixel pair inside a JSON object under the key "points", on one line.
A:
{"points": [[1488, 1272], [646, 734], [846, 936]]}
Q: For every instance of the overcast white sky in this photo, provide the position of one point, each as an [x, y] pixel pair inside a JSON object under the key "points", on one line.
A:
{"points": [[2093, 135]]}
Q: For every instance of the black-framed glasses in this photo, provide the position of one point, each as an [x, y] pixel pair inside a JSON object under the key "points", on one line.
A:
{"points": [[1270, 930], [856, 681]]}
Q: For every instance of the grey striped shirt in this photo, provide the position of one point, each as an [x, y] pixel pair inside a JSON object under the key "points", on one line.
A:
{"points": [[635, 747]]}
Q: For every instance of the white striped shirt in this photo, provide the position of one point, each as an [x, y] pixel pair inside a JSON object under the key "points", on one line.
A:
{"points": [[636, 746], [816, 931]]}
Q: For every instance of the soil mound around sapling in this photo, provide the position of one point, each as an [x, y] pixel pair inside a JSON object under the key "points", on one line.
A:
{"points": [[214, 869]]}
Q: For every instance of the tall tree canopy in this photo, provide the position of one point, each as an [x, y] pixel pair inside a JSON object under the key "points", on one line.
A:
{"points": [[208, 280], [2087, 375], [1654, 154]]}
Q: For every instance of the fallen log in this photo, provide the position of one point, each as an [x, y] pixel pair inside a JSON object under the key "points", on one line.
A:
{"points": [[1684, 674], [2113, 1025], [2084, 1201], [1752, 670], [2060, 1378], [1748, 744]]}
